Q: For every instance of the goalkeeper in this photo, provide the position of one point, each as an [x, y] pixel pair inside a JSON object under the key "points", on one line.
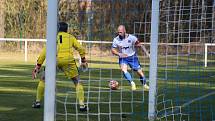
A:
{"points": [[65, 62], [124, 46]]}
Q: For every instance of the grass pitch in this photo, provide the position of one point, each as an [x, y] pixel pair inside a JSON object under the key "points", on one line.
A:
{"points": [[188, 85]]}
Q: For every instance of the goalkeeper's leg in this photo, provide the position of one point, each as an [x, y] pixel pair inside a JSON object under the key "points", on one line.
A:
{"points": [[79, 93], [40, 92], [71, 71], [39, 95]]}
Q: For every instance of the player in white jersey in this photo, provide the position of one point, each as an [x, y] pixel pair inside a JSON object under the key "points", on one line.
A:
{"points": [[124, 46]]}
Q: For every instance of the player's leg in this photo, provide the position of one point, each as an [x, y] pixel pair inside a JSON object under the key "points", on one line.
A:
{"points": [[40, 91], [71, 71], [142, 78], [79, 93], [135, 65], [126, 74]]}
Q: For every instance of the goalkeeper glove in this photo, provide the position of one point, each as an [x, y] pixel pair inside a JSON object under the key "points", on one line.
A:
{"points": [[84, 65], [36, 70]]}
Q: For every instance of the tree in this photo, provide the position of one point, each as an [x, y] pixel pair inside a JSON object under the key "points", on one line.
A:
{"points": [[2, 18]]}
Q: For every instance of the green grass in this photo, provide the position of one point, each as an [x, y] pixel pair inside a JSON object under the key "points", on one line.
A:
{"points": [[185, 86], [16, 92]]}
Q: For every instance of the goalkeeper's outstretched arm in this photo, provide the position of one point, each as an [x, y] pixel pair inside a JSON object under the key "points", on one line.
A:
{"points": [[39, 63], [82, 53]]}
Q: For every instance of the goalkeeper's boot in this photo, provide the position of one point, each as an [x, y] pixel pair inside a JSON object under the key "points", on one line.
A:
{"points": [[83, 108], [146, 86], [36, 104], [133, 86]]}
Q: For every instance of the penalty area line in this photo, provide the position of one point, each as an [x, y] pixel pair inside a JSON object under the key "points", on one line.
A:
{"points": [[22, 95], [197, 99]]}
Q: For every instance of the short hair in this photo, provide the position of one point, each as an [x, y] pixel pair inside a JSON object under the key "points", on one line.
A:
{"points": [[62, 27]]}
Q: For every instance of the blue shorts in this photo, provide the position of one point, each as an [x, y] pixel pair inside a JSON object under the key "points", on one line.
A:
{"points": [[132, 61]]}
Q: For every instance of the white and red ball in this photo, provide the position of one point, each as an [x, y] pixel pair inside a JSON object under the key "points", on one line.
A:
{"points": [[113, 84]]}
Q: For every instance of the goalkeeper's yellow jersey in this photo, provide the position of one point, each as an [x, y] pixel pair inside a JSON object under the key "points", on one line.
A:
{"points": [[66, 43]]}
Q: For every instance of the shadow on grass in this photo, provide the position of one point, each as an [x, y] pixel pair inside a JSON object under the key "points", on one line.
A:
{"points": [[17, 91]]}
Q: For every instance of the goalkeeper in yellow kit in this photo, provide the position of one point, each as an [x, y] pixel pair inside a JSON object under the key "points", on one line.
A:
{"points": [[65, 62]]}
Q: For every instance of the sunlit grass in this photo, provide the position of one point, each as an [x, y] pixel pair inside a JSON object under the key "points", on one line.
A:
{"points": [[184, 83], [2, 108], [16, 90]]}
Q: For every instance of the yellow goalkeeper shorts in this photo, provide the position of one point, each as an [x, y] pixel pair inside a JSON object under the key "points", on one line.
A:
{"points": [[70, 70]]}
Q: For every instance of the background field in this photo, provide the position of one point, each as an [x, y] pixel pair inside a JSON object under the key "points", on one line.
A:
{"points": [[191, 87], [186, 89]]}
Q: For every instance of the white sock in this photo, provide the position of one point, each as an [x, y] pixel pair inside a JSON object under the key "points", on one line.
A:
{"points": [[82, 106], [132, 83]]}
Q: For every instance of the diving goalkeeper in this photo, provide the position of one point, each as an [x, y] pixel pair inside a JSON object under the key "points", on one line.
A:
{"points": [[65, 62]]}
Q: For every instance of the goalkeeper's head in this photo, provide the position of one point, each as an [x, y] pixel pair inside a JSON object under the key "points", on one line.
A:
{"points": [[62, 27]]}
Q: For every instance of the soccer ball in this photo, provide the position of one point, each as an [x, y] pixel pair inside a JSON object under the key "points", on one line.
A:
{"points": [[114, 85]]}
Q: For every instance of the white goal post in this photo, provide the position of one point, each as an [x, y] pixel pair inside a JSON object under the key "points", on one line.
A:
{"points": [[50, 73], [206, 52]]}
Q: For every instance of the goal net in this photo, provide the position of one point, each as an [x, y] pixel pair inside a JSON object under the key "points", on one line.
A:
{"points": [[96, 22], [186, 60], [185, 86], [186, 93]]}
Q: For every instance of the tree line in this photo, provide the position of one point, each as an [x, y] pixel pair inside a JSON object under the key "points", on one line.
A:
{"points": [[98, 19]]}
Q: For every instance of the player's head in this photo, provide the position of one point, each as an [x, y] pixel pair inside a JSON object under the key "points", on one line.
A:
{"points": [[62, 27], [121, 31]]}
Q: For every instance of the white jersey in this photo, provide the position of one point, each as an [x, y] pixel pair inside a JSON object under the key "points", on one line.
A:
{"points": [[126, 45]]}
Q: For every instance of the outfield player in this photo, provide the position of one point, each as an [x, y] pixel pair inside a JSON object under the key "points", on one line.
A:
{"points": [[65, 62], [124, 47]]}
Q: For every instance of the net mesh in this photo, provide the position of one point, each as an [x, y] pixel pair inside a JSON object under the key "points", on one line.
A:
{"points": [[97, 21], [185, 87], [186, 92]]}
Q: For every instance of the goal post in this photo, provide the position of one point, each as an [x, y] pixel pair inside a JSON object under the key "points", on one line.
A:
{"points": [[50, 73], [153, 60], [206, 52]]}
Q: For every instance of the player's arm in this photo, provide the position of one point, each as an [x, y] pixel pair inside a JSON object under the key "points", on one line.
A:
{"points": [[116, 52], [81, 51], [138, 44], [39, 63], [78, 47]]}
